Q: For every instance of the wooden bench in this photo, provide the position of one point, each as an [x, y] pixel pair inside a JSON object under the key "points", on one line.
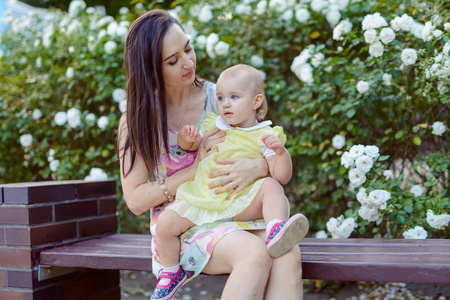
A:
{"points": [[380, 260]]}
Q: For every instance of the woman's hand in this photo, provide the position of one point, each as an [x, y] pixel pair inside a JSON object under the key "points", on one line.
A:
{"points": [[238, 174], [210, 139]]}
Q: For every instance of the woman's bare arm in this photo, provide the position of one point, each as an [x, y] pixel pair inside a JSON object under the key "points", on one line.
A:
{"points": [[141, 195]]}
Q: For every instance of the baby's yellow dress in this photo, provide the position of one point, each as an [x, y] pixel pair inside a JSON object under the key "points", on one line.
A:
{"points": [[195, 201]]}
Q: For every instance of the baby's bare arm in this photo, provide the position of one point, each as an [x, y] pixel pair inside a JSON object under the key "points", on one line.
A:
{"points": [[189, 138], [280, 165]]}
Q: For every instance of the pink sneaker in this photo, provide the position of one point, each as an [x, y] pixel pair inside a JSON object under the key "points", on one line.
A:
{"points": [[168, 291], [286, 234]]}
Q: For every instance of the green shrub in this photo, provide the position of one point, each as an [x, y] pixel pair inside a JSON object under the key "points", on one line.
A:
{"points": [[338, 74]]}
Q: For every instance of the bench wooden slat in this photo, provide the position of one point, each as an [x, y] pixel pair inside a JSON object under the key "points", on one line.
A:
{"points": [[382, 260]]}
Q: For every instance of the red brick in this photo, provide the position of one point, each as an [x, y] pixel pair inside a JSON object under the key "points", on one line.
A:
{"points": [[108, 206], [1, 195], [97, 226], [40, 192], [2, 277], [112, 294], [2, 236], [40, 234], [16, 295], [15, 215], [10, 257], [91, 189], [20, 278], [53, 233], [18, 236], [75, 209]]}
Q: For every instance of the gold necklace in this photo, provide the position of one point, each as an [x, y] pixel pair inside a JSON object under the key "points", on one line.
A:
{"points": [[177, 127]]}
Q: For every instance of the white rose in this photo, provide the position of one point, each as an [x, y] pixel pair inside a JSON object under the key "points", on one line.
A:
{"points": [[54, 164], [316, 59], [342, 230], [69, 72], [346, 25], [261, 7], [75, 7], [73, 117], [368, 213], [318, 5], [447, 26], [370, 36], [376, 49], [372, 151], [406, 22], [321, 234], [395, 23], [356, 176], [96, 174], [346, 160], [221, 48], [364, 163], [373, 21], [437, 33], [37, 114], [123, 106], [110, 46], [60, 118], [417, 29], [379, 198], [333, 16], [437, 221], [409, 56], [243, 9], [387, 79], [388, 174], [361, 196], [337, 32], [427, 32], [211, 41], [362, 86], [256, 61], [200, 41], [417, 233], [287, 15], [26, 140], [102, 122], [417, 190], [119, 94], [338, 141], [387, 35], [90, 119], [438, 128], [356, 151], [124, 10], [205, 15], [302, 15], [304, 72]]}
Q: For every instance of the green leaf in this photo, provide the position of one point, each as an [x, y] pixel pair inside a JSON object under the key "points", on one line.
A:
{"points": [[417, 141], [351, 112], [399, 134], [400, 219], [408, 209], [383, 157]]}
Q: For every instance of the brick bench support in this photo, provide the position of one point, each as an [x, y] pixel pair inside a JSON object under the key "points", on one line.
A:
{"points": [[40, 216]]}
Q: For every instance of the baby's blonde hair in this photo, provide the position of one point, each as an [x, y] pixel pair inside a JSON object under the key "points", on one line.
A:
{"points": [[258, 82]]}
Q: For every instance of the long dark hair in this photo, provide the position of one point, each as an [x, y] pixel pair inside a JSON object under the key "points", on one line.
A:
{"points": [[146, 113]]}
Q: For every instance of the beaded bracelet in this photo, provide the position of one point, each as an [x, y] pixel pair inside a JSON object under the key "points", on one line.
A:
{"points": [[163, 187]]}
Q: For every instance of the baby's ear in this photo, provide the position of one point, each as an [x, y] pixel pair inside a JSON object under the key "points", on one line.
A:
{"points": [[258, 101]]}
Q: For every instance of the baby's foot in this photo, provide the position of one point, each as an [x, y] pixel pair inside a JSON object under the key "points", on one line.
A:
{"points": [[286, 234]]}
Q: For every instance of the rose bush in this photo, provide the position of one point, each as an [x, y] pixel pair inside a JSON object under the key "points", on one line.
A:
{"points": [[345, 78]]}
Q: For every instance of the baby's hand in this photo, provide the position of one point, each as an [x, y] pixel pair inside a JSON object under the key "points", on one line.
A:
{"points": [[274, 143], [189, 133]]}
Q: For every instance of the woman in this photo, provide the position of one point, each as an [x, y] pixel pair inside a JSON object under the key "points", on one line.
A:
{"points": [[164, 94]]}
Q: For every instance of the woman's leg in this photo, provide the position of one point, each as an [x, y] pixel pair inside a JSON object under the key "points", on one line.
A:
{"points": [[285, 278], [168, 229], [243, 255]]}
